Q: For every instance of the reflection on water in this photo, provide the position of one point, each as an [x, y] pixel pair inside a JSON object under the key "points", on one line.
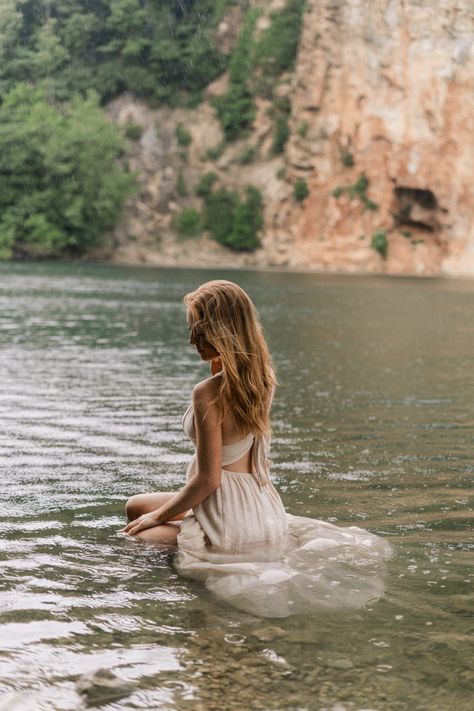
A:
{"points": [[373, 427]]}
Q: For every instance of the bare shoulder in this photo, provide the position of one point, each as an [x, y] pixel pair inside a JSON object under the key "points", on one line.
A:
{"points": [[207, 390], [206, 411]]}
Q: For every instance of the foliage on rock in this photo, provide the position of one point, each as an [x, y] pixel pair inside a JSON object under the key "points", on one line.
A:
{"points": [[234, 221], [189, 222], [256, 65], [300, 189], [379, 242], [357, 190]]}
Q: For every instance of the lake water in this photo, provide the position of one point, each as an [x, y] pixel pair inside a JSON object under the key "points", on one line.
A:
{"points": [[373, 426]]}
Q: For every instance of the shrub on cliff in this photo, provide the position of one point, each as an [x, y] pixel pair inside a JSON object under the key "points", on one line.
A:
{"points": [[246, 155], [281, 135], [205, 183], [379, 242], [300, 189], [235, 109], [235, 221], [254, 68], [248, 221], [181, 187], [357, 190], [133, 131], [188, 222], [61, 187], [183, 136], [219, 213], [278, 45]]}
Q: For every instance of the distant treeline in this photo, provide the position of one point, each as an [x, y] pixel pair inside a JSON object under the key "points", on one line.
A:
{"points": [[62, 184], [63, 173], [157, 49]]}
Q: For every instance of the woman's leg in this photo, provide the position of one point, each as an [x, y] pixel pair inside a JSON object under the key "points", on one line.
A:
{"points": [[144, 503], [166, 534]]}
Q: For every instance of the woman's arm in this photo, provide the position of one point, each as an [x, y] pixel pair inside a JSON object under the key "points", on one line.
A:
{"points": [[207, 423]]}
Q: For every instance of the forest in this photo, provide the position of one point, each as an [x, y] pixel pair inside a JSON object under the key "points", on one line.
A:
{"points": [[61, 61]]}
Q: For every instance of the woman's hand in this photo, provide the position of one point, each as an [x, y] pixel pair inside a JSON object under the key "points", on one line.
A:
{"points": [[148, 520], [216, 366]]}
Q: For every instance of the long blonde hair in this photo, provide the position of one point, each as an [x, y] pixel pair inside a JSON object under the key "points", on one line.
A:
{"points": [[229, 321]]}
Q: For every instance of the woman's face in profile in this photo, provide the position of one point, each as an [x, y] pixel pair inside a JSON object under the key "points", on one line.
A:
{"points": [[197, 339]]}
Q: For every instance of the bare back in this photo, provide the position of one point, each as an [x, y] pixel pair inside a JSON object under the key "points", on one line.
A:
{"points": [[230, 432]]}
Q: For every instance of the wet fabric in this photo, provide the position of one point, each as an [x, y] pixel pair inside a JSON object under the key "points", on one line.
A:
{"points": [[252, 553]]}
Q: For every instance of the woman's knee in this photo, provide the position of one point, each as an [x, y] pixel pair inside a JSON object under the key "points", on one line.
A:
{"points": [[133, 507], [144, 503]]}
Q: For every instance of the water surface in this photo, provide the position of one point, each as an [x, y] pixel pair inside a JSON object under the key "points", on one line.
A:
{"points": [[373, 426]]}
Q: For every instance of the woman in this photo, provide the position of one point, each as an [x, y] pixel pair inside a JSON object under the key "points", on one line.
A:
{"points": [[228, 520], [228, 420]]}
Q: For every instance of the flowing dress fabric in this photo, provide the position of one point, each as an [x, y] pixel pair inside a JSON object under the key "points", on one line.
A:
{"points": [[253, 554]]}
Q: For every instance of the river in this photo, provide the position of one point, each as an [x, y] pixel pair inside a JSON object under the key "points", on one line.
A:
{"points": [[373, 426]]}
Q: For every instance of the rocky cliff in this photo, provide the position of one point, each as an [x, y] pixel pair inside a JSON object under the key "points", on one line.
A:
{"points": [[381, 130]]}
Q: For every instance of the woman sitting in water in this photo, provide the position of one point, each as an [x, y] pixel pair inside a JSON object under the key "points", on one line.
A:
{"points": [[228, 414], [228, 520]]}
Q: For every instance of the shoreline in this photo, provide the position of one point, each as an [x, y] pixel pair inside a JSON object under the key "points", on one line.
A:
{"points": [[267, 268], [239, 268]]}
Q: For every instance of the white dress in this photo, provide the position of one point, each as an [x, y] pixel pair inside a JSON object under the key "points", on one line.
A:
{"points": [[253, 554]]}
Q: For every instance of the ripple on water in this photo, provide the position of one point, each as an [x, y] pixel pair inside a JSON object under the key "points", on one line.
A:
{"points": [[372, 427]]}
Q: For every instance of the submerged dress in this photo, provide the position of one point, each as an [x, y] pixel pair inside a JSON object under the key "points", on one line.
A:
{"points": [[253, 554]]}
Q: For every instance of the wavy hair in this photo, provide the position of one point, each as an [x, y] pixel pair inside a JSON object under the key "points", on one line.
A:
{"points": [[228, 320]]}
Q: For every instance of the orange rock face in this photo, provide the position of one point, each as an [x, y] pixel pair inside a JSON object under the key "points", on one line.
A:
{"points": [[383, 133]]}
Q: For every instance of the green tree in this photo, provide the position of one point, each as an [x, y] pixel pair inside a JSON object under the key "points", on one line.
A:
{"points": [[162, 51], [248, 221], [188, 222], [236, 109], [50, 55], [12, 54], [53, 198], [10, 29], [79, 34], [277, 48], [219, 213]]}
